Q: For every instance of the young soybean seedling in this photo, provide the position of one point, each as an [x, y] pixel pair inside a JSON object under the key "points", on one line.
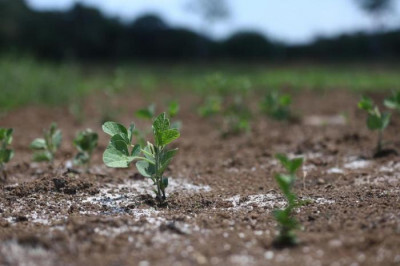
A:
{"points": [[86, 143], [277, 106], [151, 160], [5, 154], [46, 148], [375, 120], [287, 223]]}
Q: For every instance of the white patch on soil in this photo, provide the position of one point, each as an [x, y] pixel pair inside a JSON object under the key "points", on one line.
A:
{"points": [[354, 163], [335, 170], [116, 197], [319, 120], [16, 254], [266, 201], [255, 201]]}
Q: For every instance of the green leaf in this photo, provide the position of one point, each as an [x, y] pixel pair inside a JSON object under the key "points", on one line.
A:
{"points": [[57, 138], [285, 182], [44, 156], [131, 132], [168, 136], [164, 182], [145, 168], [112, 128], [375, 121], [165, 159], [290, 165], [366, 104], [38, 144], [393, 102], [136, 150], [285, 100], [173, 109], [161, 123], [6, 155], [147, 113], [116, 154]]}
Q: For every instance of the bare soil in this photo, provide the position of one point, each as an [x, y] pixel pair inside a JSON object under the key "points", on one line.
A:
{"points": [[221, 195]]}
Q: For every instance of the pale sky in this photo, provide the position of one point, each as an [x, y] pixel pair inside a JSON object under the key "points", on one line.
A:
{"points": [[295, 21]]}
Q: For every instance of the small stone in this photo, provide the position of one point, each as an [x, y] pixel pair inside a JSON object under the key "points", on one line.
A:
{"points": [[320, 181], [335, 243], [269, 255]]}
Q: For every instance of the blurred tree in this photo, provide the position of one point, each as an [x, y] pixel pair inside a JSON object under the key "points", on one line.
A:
{"points": [[211, 11], [375, 7], [378, 9]]}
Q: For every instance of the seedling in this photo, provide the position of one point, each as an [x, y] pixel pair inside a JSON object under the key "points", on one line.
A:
{"points": [[151, 160], [375, 120], [212, 105], [287, 223], [277, 106], [5, 154], [46, 148], [86, 143], [393, 102]]}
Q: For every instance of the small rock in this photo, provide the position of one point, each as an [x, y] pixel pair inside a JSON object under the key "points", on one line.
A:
{"points": [[320, 181], [335, 243]]}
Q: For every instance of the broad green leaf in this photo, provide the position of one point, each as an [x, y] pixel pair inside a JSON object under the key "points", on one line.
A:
{"points": [[285, 100], [168, 136], [6, 155], [38, 144], [366, 104], [57, 138], [374, 122], [112, 128], [290, 165], [284, 182], [136, 150], [44, 156], [145, 168], [144, 114], [295, 164], [6, 135], [173, 108], [166, 158], [161, 123], [116, 154]]}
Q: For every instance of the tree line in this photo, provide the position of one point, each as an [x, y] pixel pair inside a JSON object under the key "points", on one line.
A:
{"points": [[84, 33]]}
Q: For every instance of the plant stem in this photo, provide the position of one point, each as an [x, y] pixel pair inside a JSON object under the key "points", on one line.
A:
{"points": [[379, 144]]}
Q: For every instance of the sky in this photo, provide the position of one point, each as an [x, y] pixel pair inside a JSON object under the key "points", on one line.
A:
{"points": [[293, 21]]}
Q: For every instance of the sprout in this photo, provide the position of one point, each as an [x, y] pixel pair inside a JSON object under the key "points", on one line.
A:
{"points": [[151, 160], [46, 148]]}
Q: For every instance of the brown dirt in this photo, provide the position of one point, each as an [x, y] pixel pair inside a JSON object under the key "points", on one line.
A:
{"points": [[221, 196]]}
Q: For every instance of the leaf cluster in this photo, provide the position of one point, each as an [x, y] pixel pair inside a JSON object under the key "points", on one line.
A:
{"points": [[46, 147], [151, 160], [85, 142], [375, 120], [287, 223], [148, 113], [277, 106]]}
